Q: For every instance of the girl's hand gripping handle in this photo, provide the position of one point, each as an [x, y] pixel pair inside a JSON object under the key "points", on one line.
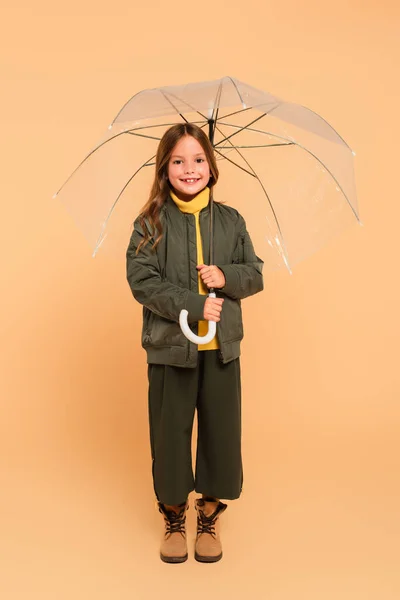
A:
{"points": [[197, 339]]}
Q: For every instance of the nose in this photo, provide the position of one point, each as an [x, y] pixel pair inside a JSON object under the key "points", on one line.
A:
{"points": [[189, 169]]}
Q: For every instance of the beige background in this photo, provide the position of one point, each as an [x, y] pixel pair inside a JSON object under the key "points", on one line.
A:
{"points": [[319, 514]]}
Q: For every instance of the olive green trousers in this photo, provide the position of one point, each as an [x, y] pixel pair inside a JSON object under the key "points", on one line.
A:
{"points": [[214, 389]]}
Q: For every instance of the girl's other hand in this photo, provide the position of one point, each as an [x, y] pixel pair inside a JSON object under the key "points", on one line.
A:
{"points": [[212, 276], [212, 309]]}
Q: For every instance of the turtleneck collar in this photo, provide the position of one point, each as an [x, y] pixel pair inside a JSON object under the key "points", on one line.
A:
{"points": [[196, 204]]}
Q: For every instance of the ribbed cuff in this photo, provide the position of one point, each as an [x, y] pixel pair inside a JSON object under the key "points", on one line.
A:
{"points": [[195, 306], [231, 279]]}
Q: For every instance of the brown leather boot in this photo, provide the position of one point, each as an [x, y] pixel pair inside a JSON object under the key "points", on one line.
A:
{"points": [[174, 546], [208, 546]]}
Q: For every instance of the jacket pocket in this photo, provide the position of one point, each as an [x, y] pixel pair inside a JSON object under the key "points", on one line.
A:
{"points": [[241, 249], [238, 255], [158, 331], [231, 323], [148, 317]]}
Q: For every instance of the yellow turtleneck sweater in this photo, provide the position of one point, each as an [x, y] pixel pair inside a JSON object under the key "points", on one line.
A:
{"points": [[194, 207]]}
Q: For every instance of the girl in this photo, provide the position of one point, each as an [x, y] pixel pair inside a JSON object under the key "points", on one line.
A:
{"points": [[168, 270]]}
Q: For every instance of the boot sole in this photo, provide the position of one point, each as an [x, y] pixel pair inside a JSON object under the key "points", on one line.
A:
{"points": [[207, 559], [173, 559]]}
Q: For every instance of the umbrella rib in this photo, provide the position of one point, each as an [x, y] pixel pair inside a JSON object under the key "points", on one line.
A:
{"points": [[286, 259], [247, 127], [126, 103], [303, 148], [149, 137], [261, 145], [159, 125], [173, 106], [187, 104], [216, 103], [237, 90], [241, 128], [237, 112], [244, 127], [100, 239], [88, 156], [332, 175], [312, 111], [234, 163]]}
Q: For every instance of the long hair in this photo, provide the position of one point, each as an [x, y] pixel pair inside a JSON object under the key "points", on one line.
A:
{"points": [[161, 187]]}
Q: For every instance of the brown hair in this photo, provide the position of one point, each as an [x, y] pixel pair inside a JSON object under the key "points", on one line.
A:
{"points": [[161, 186]]}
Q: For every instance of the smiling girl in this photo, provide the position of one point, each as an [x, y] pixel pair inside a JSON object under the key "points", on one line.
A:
{"points": [[168, 270]]}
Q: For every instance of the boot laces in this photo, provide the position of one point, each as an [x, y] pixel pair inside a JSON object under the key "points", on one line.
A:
{"points": [[206, 524], [175, 523]]}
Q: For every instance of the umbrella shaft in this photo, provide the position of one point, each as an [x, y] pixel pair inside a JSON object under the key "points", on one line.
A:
{"points": [[211, 136], [211, 131], [211, 262]]}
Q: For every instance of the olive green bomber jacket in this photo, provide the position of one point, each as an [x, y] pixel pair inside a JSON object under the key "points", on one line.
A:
{"points": [[166, 281]]}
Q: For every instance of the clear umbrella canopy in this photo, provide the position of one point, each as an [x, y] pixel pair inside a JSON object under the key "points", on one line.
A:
{"points": [[284, 168]]}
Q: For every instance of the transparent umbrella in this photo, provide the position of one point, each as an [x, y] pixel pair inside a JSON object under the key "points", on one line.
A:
{"points": [[284, 168]]}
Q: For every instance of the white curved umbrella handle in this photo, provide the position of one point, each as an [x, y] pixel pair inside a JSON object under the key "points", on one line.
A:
{"points": [[197, 339]]}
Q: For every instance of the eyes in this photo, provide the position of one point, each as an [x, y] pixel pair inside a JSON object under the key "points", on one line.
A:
{"points": [[177, 161]]}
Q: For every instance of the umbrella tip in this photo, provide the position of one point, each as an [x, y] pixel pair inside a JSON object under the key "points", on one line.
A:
{"points": [[54, 196], [110, 126], [353, 153]]}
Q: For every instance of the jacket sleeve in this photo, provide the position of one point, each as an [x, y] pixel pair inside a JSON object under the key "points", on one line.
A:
{"points": [[161, 297], [243, 279]]}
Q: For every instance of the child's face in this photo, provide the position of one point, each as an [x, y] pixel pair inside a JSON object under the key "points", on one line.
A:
{"points": [[188, 169]]}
